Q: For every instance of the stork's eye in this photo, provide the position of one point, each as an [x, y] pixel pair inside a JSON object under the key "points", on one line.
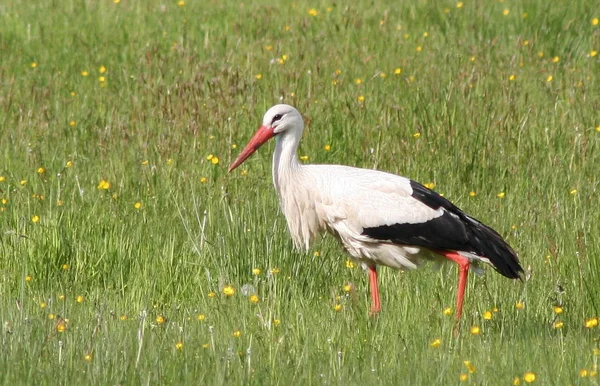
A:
{"points": [[276, 118]]}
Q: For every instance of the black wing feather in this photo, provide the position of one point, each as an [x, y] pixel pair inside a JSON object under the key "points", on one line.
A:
{"points": [[453, 231]]}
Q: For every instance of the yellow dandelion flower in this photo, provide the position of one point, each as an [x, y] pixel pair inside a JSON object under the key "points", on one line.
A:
{"points": [[529, 377], [103, 185], [237, 333], [347, 287], [591, 323], [160, 319], [79, 299], [357, 81], [593, 53], [558, 325], [4, 201], [361, 98], [69, 164], [446, 10], [145, 162], [33, 64], [61, 326], [596, 352], [593, 373], [35, 219], [487, 315], [337, 307], [258, 76], [214, 160], [549, 78], [23, 182], [459, 4], [512, 77], [43, 304], [28, 278], [447, 311], [501, 195], [350, 264], [254, 299], [41, 170], [137, 205], [516, 381], [313, 12], [123, 317], [573, 191], [419, 49], [101, 79], [276, 322], [170, 161], [558, 310], [475, 330], [84, 73], [506, 11], [472, 58], [583, 373], [435, 343], [416, 135], [304, 158], [51, 316], [89, 357], [463, 377], [203, 180], [205, 345], [287, 28], [256, 271], [102, 69], [472, 194], [229, 290], [519, 305], [181, 3], [2, 178], [598, 128], [201, 317], [179, 345], [595, 21], [429, 185], [274, 271], [555, 59], [470, 366], [524, 15], [540, 54], [65, 267], [61, 297], [398, 71], [382, 74]]}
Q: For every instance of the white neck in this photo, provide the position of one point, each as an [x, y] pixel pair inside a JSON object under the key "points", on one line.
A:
{"points": [[285, 159]]}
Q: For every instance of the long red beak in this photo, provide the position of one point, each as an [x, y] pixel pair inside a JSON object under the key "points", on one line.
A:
{"points": [[262, 135]]}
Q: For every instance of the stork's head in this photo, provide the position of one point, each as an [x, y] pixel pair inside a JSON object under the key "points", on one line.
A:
{"points": [[278, 120]]}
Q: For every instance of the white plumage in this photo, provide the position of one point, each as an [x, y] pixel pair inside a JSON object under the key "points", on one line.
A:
{"points": [[380, 218]]}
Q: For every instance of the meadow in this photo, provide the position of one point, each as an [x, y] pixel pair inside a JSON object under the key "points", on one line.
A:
{"points": [[128, 254]]}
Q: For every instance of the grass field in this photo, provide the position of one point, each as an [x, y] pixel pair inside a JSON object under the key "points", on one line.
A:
{"points": [[128, 254]]}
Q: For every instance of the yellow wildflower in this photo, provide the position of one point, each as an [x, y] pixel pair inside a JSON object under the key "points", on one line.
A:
{"points": [[398, 71], [337, 307], [79, 299], [519, 305], [529, 377], [350, 264], [229, 290], [201, 317], [361, 98], [475, 330], [103, 185], [463, 377], [501, 195], [447, 311], [595, 21], [35, 219], [137, 205], [591, 323], [313, 12], [555, 59], [88, 357], [558, 310], [254, 299], [558, 325], [505, 12], [237, 333], [435, 343], [487, 315], [179, 345], [471, 367], [327, 147], [160, 319], [84, 73]]}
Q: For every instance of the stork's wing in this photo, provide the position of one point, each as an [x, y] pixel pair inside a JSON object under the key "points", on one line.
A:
{"points": [[391, 208]]}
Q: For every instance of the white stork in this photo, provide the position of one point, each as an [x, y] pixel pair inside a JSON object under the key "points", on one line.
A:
{"points": [[380, 218]]}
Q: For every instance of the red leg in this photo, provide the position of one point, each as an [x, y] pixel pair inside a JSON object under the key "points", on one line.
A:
{"points": [[375, 304], [463, 270]]}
